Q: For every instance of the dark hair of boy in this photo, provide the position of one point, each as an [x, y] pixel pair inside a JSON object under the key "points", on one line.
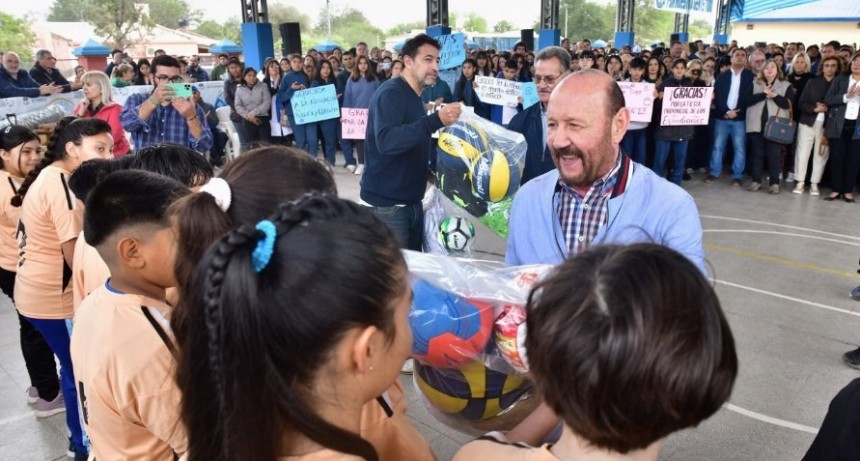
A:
{"points": [[259, 180], [410, 48], [215, 373], [68, 130], [181, 163], [91, 172], [639, 350], [126, 199], [511, 64], [13, 136], [638, 63]]}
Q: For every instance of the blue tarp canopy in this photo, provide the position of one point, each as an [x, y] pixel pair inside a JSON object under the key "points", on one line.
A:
{"points": [[225, 46], [398, 46], [598, 44], [91, 48], [472, 44], [327, 46]]}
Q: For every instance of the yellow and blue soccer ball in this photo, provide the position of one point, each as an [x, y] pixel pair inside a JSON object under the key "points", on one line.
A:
{"points": [[461, 144], [471, 392], [494, 176]]}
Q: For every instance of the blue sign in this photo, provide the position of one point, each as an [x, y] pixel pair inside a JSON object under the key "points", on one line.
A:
{"points": [[530, 94], [453, 51], [315, 104], [685, 6]]}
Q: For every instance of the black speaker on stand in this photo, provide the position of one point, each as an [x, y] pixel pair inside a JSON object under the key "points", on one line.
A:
{"points": [[527, 36], [291, 38]]}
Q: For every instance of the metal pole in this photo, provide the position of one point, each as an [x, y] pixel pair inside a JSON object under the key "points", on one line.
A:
{"points": [[566, 16], [328, 16]]}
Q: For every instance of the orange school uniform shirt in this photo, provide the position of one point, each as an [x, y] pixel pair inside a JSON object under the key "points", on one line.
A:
{"points": [[89, 271], [124, 373], [8, 221], [495, 447], [50, 216]]}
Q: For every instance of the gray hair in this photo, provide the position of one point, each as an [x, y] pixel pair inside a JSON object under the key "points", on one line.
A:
{"points": [[556, 52], [40, 55]]}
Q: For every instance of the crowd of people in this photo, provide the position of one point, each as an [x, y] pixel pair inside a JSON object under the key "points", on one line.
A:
{"points": [[176, 277]]}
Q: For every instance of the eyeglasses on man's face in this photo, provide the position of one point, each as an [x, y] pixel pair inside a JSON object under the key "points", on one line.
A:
{"points": [[549, 80], [169, 79]]}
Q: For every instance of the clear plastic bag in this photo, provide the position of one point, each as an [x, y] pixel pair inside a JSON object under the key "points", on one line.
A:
{"points": [[448, 229], [478, 166], [468, 326]]}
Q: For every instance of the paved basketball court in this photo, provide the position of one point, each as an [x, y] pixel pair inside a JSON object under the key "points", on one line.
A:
{"points": [[783, 266]]}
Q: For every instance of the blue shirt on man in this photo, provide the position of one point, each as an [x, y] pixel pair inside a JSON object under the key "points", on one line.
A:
{"points": [[165, 125]]}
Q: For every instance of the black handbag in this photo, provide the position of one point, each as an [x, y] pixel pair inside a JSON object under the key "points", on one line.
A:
{"points": [[780, 130]]}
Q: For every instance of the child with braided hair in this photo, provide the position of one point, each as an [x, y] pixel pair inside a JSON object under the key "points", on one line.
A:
{"points": [[281, 361], [50, 221]]}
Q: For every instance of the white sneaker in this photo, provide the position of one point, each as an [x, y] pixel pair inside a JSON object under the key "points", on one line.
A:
{"points": [[350, 168], [813, 190], [46, 408], [32, 395], [360, 169], [790, 177]]}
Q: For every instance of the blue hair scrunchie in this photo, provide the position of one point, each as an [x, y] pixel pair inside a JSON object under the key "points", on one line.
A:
{"points": [[265, 247]]}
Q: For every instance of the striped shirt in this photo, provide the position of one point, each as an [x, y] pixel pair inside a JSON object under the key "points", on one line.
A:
{"points": [[582, 217]]}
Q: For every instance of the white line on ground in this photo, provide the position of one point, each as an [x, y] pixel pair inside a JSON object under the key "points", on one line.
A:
{"points": [[770, 419], [788, 298], [791, 234], [726, 218], [16, 418]]}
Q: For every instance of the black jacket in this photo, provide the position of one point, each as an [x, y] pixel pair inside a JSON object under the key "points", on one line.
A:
{"points": [[812, 94], [46, 77]]}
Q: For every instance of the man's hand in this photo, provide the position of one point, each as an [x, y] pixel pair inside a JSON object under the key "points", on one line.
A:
{"points": [[820, 107], [732, 114], [76, 85], [450, 113], [162, 94], [50, 89], [185, 107]]}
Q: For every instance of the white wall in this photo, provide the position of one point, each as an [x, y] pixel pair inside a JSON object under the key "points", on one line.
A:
{"points": [[806, 32]]}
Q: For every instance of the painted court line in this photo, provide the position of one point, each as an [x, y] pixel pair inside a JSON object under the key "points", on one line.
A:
{"points": [[787, 298], [16, 418], [790, 234], [784, 261], [770, 419], [768, 223]]}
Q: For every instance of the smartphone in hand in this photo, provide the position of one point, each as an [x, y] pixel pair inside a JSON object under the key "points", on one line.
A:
{"points": [[181, 90]]}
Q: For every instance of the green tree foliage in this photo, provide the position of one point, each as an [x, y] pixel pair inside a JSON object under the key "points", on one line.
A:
{"points": [[475, 23], [118, 21], [348, 27], [701, 29], [503, 26], [231, 29], [405, 27], [651, 24], [168, 13], [587, 20], [68, 11], [15, 35]]}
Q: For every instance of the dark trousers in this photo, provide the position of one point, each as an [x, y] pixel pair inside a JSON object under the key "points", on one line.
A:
{"points": [[239, 125], [762, 148], [38, 357], [844, 160], [258, 133], [219, 140], [407, 222]]}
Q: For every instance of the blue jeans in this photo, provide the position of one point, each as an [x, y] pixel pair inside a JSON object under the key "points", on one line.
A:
{"points": [[329, 134], [635, 145], [722, 130], [407, 223], [346, 147], [679, 154], [58, 334]]}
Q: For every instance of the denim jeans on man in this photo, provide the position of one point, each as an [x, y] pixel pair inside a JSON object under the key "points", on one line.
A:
{"points": [[723, 129], [635, 144], [679, 155], [407, 223]]}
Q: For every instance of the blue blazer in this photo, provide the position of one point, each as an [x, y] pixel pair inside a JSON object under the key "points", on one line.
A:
{"points": [[538, 157], [722, 86]]}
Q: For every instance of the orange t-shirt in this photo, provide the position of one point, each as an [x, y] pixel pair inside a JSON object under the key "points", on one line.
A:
{"points": [[89, 271], [385, 425], [50, 216], [8, 221], [124, 373], [322, 455], [494, 447]]}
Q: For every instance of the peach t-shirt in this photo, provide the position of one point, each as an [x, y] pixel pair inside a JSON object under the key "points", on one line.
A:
{"points": [[124, 374], [50, 216], [495, 447], [89, 271], [8, 221]]}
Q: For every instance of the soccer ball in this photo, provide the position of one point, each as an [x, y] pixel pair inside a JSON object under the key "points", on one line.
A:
{"points": [[447, 330], [494, 176], [510, 336], [471, 392], [456, 185], [455, 233], [461, 144]]}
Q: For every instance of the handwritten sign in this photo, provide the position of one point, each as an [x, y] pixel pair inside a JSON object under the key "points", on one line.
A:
{"points": [[639, 100], [353, 123], [530, 95], [315, 104], [686, 105], [497, 91], [453, 51]]}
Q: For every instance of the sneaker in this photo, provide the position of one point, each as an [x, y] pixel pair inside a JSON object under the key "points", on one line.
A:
{"points": [[70, 452], [798, 189], [408, 367], [76, 455], [773, 189], [359, 170], [690, 171], [754, 186], [46, 408], [855, 293], [32, 395], [813, 190], [790, 177], [350, 168], [852, 358], [710, 179], [736, 183]]}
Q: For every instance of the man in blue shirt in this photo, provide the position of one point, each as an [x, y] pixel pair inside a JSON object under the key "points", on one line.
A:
{"points": [[161, 117], [596, 195], [397, 143], [16, 82]]}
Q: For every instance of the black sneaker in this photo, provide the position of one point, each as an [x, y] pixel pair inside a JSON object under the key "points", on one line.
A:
{"points": [[852, 358], [710, 179], [686, 176], [855, 293]]}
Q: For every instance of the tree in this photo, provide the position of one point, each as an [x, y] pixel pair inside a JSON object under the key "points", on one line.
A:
{"points": [[68, 11], [650, 23], [701, 29], [588, 20], [15, 35], [168, 13], [348, 27], [405, 27], [475, 23], [231, 29], [118, 21], [503, 26]]}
